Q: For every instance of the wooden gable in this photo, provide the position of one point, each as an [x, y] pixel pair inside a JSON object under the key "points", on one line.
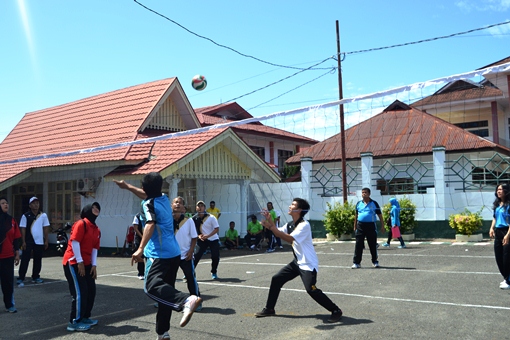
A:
{"points": [[216, 163], [167, 118]]}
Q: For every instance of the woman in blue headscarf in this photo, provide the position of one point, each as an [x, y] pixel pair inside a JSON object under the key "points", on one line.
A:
{"points": [[395, 223]]}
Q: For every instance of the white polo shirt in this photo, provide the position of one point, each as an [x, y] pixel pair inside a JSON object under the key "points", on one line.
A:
{"points": [[303, 246], [184, 234], [208, 227]]}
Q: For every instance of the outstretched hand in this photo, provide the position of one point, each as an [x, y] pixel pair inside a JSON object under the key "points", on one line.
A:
{"points": [[121, 184]]}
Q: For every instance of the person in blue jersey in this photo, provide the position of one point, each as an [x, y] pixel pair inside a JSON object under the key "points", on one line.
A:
{"points": [[367, 212], [394, 223], [162, 253], [500, 231]]}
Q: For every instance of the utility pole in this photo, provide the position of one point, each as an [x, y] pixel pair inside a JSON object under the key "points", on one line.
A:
{"points": [[342, 126]]}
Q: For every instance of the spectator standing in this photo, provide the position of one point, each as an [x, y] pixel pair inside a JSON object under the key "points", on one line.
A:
{"points": [[34, 226], [500, 231], [207, 227], [367, 211], [10, 238], [232, 237], [80, 263], [276, 241], [138, 226], [213, 210], [394, 223]]}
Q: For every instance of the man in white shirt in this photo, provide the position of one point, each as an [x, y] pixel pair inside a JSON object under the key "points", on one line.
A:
{"points": [[207, 228], [34, 226], [305, 263], [186, 235]]}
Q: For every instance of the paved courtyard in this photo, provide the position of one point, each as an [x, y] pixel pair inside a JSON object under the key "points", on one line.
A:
{"points": [[431, 290]]}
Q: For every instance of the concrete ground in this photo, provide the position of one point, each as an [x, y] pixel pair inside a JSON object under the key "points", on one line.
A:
{"points": [[431, 290]]}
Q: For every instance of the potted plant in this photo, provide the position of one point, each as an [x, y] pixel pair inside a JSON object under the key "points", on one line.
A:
{"points": [[468, 225], [339, 220], [407, 217]]}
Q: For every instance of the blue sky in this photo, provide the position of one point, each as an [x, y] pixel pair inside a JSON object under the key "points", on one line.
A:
{"points": [[57, 51]]}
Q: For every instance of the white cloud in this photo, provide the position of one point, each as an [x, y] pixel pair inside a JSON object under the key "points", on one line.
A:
{"points": [[500, 31], [484, 5]]}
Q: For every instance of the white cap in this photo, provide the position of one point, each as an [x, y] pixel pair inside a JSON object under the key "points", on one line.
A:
{"points": [[33, 199]]}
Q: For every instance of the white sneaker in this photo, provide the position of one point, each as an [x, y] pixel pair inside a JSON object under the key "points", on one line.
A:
{"points": [[164, 336], [504, 286], [252, 247], [355, 266], [190, 306]]}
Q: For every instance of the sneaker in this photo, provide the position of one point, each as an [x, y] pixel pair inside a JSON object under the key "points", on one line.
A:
{"points": [[20, 283], [87, 321], [355, 266], [214, 276], [77, 326], [281, 247], [335, 316], [199, 308], [38, 280], [376, 264], [11, 309], [265, 312], [270, 250], [140, 277], [504, 285], [252, 247], [385, 244], [190, 306], [402, 246], [164, 336]]}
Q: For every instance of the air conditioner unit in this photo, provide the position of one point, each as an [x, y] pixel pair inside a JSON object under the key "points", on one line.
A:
{"points": [[85, 185]]}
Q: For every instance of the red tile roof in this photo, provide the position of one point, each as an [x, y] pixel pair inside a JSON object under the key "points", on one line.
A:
{"points": [[461, 91], [207, 116], [108, 118], [400, 131]]}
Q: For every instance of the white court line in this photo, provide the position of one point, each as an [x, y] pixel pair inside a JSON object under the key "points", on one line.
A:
{"points": [[60, 326], [366, 296], [406, 254]]}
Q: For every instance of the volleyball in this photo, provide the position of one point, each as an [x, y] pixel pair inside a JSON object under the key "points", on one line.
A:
{"points": [[198, 82]]}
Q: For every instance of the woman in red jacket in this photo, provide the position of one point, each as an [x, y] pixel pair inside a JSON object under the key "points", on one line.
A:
{"points": [[80, 267], [10, 238]]}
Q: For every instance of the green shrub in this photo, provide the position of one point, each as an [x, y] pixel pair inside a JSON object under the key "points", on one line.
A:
{"points": [[466, 223], [407, 214], [339, 218]]}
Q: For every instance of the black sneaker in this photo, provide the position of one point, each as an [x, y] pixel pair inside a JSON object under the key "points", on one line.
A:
{"points": [[265, 312], [335, 316]]}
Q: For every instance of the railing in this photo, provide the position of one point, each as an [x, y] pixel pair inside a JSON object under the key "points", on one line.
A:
{"points": [[329, 181]]}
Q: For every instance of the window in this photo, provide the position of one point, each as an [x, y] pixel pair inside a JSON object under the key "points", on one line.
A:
{"points": [[396, 186], [20, 196], [283, 155], [64, 203], [474, 127], [187, 189], [259, 150]]}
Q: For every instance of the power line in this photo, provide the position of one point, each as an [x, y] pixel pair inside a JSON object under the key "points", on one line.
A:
{"points": [[427, 40], [224, 46]]}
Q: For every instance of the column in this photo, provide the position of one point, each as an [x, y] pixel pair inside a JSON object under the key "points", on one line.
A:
{"points": [[306, 178], [439, 157], [174, 187], [367, 162], [244, 207]]}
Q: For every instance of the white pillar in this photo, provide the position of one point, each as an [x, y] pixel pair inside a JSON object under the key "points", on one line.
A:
{"points": [[439, 157], [173, 188], [306, 178], [244, 207], [367, 162]]}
